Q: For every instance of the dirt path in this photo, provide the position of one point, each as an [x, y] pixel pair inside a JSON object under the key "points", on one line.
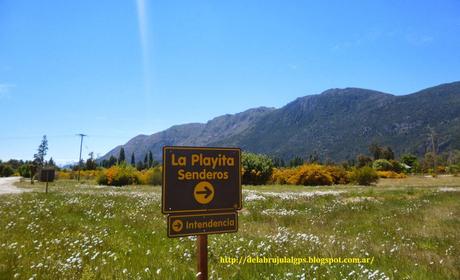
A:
{"points": [[7, 185]]}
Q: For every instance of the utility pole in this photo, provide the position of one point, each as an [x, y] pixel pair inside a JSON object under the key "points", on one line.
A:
{"points": [[79, 160]]}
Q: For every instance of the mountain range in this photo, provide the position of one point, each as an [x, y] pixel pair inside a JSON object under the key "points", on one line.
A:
{"points": [[335, 125]]}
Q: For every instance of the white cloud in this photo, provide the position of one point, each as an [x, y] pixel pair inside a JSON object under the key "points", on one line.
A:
{"points": [[142, 17]]}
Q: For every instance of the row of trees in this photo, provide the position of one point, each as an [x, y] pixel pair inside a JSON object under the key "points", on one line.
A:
{"points": [[377, 152], [381, 158], [146, 163], [431, 162], [260, 169], [28, 168]]}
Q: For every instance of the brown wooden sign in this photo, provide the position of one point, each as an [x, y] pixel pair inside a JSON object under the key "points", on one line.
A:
{"points": [[196, 224], [47, 175], [201, 179]]}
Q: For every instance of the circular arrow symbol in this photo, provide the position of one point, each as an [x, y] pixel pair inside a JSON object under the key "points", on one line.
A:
{"points": [[203, 192], [177, 225]]}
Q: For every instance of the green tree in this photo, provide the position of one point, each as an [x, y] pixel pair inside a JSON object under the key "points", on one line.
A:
{"points": [[24, 170], [112, 161], [376, 151], [33, 170], [133, 159], [14, 163], [453, 157], [146, 161], [121, 156], [382, 165], [257, 168], [428, 163], [278, 162], [397, 167], [296, 161], [140, 166], [364, 176], [39, 157], [411, 161], [387, 153], [363, 160], [91, 162], [6, 170], [150, 159], [313, 157]]}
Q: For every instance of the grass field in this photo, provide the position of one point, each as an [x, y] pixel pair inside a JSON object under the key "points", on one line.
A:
{"points": [[409, 227]]}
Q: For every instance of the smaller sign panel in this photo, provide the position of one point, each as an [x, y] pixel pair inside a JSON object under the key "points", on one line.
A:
{"points": [[195, 224], [47, 175]]}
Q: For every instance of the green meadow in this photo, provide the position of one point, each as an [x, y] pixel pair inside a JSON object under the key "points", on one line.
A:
{"points": [[410, 228]]}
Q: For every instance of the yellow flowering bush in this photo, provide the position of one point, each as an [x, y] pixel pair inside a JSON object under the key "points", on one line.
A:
{"points": [[310, 175], [119, 175], [84, 174], [151, 176], [391, 174]]}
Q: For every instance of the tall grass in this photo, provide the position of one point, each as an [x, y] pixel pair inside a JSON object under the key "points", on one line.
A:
{"points": [[83, 231]]}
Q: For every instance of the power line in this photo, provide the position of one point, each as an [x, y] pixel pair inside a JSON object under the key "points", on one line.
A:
{"points": [[34, 137], [22, 137]]}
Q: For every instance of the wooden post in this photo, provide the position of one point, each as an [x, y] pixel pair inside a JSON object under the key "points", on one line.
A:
{"points": [[202, 257]]}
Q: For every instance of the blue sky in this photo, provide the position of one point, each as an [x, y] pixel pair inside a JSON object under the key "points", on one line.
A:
{"points": [[116, 69]]}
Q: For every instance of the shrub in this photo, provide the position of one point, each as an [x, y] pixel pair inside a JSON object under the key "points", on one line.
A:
{"points": [[311, 175], [151, 176], [397, 167], [441, 169], [88, 174], [339, 174], [454, 169], [64, 175], [257, 168], [118, 175], [364, 176], [102, 179], [24, 170], [6, 171], [411, 161], [382, 165], [391, 174], [363, 160], [281, 175], [84, 174]]}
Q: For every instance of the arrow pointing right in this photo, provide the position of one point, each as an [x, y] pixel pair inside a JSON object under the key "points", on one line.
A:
{"points": [[207, 192]]}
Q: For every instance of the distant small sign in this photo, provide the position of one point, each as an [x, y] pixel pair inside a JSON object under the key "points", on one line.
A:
{"points": [[47, 175], [197, 179], [196, 224]]}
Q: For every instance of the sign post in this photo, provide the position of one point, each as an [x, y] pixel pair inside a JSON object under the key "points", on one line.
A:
{"points": [[202, 253], [201, 193], [47, 175]]}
